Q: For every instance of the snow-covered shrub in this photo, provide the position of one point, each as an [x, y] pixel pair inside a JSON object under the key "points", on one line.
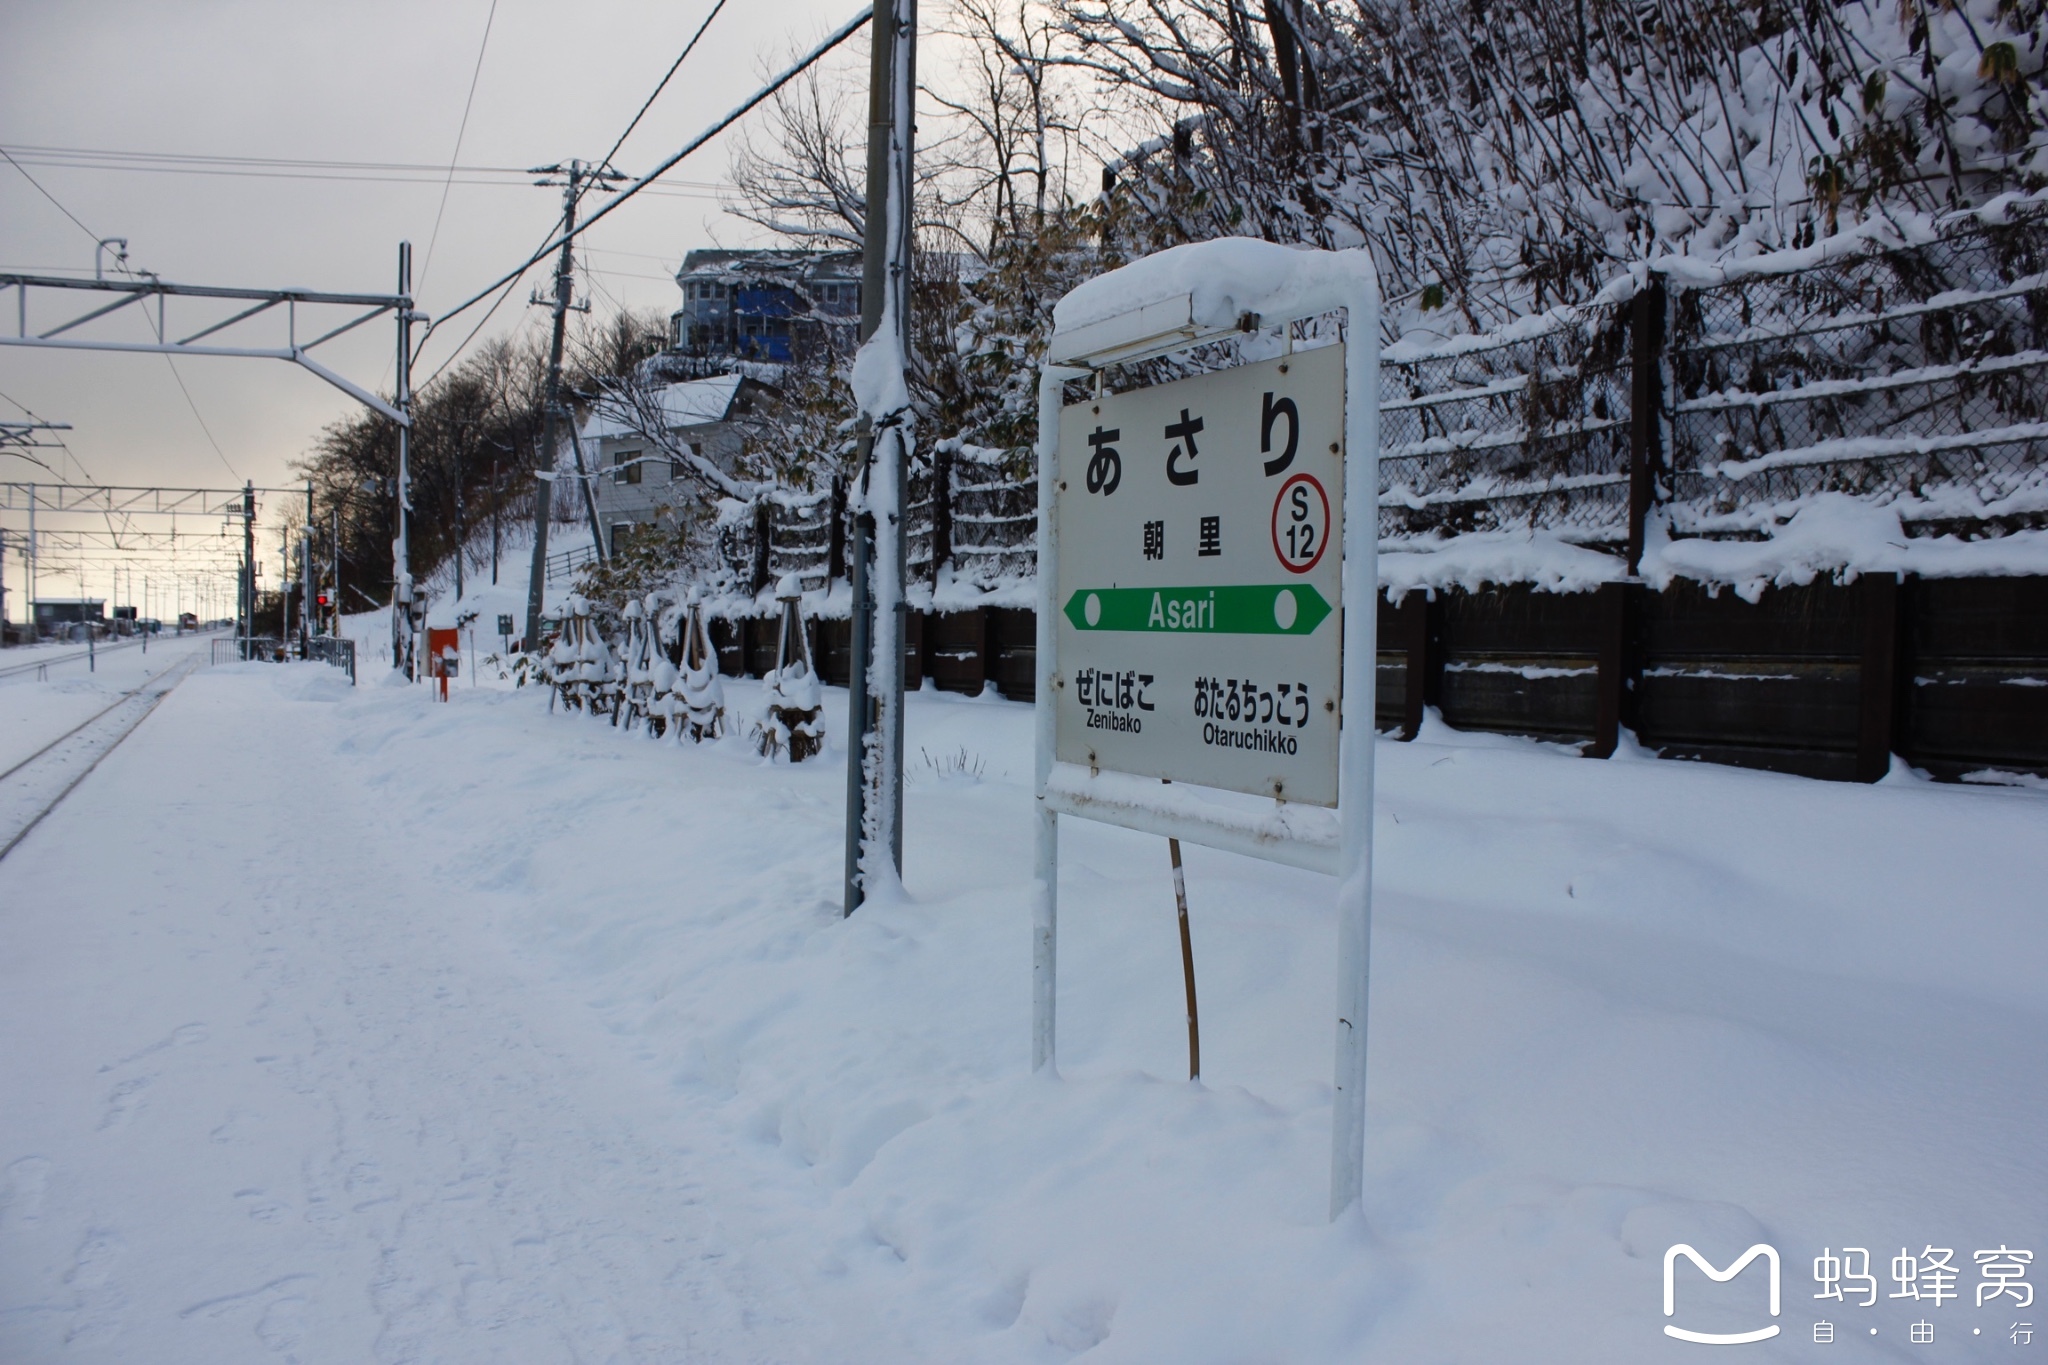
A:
{"points": [[792, 702], [648, 676], [581, 667], [696, 698]]}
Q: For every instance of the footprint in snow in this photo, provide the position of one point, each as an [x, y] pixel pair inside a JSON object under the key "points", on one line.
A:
{"points": [[21, 1201], [122, 1102]]}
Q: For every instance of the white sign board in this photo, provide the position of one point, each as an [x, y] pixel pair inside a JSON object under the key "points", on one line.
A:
{"points": [[1199, 580]]}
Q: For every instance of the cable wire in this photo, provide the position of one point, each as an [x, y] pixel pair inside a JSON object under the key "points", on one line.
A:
{"points": [[688, 48], [462, 346], [833, 40], [49, 196], [513, 281], [210, 440], [460, 132], [249, 167]]}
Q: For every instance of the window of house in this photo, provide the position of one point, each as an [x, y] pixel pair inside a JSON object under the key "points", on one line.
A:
{"points": [[622, 536], [626, 467], [675, 466]]}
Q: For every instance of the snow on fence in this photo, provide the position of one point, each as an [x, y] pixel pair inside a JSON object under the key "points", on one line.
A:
{"points": [[1911, 377], [1526, 430], [1914, 378], [1853, 436], [971, 518]]}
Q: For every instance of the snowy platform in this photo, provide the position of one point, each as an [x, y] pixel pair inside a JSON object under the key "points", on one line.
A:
{"points": [[345, 1026]]}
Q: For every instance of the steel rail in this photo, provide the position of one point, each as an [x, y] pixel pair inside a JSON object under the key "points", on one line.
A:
{"points": [[186, 671], [68, 658], [117, 701]]}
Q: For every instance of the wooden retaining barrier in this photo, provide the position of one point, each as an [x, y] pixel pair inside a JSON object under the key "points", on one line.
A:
{"points": [[1827, 680]]}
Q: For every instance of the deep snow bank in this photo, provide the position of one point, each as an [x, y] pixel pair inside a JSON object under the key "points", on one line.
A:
{"points": [[1617, 1005]]}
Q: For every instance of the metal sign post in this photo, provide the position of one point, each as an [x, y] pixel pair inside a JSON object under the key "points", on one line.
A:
{"points": [[1197, 543]]}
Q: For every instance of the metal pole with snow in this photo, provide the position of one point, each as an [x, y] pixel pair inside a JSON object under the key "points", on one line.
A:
{"points": [[874, 758], [404, 647], [306, 579], [247, 606]]}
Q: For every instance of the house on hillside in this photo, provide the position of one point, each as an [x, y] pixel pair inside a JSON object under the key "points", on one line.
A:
{"points": [[638, 476], [765, 305]]}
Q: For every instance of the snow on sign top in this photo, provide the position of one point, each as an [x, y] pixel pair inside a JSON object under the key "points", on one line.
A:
{"points": [[1221, 281], [1199, 579]]}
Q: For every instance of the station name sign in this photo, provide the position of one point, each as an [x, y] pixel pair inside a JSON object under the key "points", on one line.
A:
{"points": [[1199, 584]]}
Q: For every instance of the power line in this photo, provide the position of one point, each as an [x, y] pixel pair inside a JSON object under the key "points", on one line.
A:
{"points": [[688, 48], [512, 281], [34, 416], [199, 419], [834, 39], [460, 132], [156, 328], [290, 168], [167, 360], [496, 304], [49, 196]]}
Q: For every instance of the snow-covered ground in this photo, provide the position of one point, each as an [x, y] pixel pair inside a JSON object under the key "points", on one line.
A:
{"points": [[344, 1026], [36, 709]]}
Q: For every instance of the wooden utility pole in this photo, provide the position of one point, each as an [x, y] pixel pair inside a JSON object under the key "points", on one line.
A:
{"points": [[874, 756], [543, 487]]}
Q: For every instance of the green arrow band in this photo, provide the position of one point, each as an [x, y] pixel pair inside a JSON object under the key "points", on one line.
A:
{"points": [[1254, 609]]}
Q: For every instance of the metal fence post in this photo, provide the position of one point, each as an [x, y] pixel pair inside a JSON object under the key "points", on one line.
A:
{"points": [[942, 511], [1877, 680], [1645, 427]]}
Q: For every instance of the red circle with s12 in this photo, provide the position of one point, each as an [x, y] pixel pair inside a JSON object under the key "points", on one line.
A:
{"points": [[1299, 548]]}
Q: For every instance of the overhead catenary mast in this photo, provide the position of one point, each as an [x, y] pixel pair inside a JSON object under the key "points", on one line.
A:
{"points": [[405, 614]]}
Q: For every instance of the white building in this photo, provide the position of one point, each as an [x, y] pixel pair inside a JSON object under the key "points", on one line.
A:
{"points": [[640, 480]]}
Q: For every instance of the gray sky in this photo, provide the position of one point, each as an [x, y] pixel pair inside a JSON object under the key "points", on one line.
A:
{"points": [[349, 80]]}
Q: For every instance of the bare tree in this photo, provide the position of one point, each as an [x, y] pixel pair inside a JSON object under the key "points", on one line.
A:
{"points": [[800, 178], [1010, 125], [1502, 157]]}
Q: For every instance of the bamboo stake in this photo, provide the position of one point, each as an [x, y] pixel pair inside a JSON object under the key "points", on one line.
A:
{"points": [[1187, 961]]}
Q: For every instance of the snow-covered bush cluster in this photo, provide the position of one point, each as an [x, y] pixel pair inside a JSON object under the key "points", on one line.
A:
{"points": [[677, 692]]}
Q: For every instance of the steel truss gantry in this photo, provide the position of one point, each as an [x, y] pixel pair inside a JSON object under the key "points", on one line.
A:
{"points": [[139, 288], [120, 501], [54, 289], [67, 541], [16, 435]]}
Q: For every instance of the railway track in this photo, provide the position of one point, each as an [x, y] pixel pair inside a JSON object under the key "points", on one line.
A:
{"points": [[35, 786], [85, 655], [76, 656]]}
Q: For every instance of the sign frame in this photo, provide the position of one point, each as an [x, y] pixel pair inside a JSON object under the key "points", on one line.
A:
{"points": [[1173, 300]]}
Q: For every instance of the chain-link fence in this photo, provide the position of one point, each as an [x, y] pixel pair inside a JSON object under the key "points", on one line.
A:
{"points": [[1915, 377], [970, 512], [1523, 432], [1911, 376]]}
